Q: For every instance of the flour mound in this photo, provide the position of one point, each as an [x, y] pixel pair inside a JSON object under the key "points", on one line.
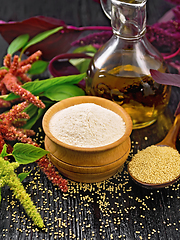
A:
{"points": [[87, 125]]}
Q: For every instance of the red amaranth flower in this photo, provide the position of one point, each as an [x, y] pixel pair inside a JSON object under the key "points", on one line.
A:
{"points": [[14, 113], [10, 132], [7, 129], [12, 79], [52, 174]]}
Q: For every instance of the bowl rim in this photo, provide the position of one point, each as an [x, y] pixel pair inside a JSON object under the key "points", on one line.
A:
{"points": [[87, 99], [152, 185]]}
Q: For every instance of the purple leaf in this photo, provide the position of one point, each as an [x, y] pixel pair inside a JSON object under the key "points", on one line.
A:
{"points": [[54, 45], [173, 13], [175, 65], [169, 15], [50, 47], [166, 78], [60, 65], [176, 11]]}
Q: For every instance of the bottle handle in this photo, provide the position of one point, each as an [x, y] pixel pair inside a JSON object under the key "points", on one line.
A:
{"points": [[106, 6]]}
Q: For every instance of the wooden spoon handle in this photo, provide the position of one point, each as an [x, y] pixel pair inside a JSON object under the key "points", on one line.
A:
{"points": [[170, 139]]}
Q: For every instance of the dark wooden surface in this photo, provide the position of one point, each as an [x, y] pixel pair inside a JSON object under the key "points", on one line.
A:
{"points": [[114, 209]]}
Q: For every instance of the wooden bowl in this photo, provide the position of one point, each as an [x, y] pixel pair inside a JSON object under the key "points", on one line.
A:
{"points": [[86, 174], [87, 164]]}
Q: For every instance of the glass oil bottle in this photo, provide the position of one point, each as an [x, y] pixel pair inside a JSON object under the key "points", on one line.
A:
{"points": [[120, 70]]}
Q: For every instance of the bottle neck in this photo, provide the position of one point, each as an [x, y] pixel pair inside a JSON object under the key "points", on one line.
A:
{"points": [[128, 18]]}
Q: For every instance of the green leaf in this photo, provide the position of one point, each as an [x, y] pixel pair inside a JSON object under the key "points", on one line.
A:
{"points": [[31, 109], [40, 112], [41, 36], [26, 153], [87, 49], [3, 67], [63, 91], [39, 87], [11, 96], [81, 64], [18, 43], [38, 67], [22, 176], [4, 151], [31, 121]]}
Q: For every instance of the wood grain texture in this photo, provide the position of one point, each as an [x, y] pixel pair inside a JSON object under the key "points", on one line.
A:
{"points": [[113, 209]]}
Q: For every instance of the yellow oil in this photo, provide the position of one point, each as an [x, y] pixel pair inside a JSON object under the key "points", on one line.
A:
{"points": [[137, 93]]}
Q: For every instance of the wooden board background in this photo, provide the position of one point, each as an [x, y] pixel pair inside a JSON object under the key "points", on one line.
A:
{"points": [[114, 209]]}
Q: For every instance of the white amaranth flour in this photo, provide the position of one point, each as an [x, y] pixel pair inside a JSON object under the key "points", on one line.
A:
{"points": [[87, 125]]}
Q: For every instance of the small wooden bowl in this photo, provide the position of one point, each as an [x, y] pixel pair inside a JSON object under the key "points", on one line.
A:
{"points": [[153, 185], [87, 164]]}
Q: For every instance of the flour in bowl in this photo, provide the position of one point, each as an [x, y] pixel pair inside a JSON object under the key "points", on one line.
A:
{"points": [[87, 125]]}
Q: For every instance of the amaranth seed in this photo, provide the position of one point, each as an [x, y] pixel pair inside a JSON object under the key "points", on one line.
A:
{"points": [[155, 165]]}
